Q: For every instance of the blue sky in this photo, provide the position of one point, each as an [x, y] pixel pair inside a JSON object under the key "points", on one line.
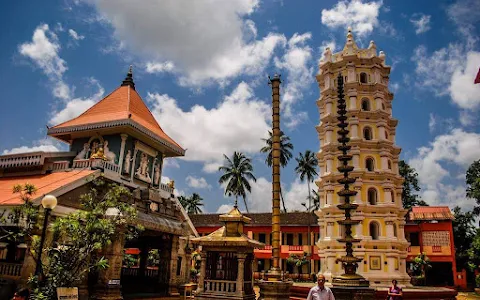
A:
{"points": [[202, 68]]}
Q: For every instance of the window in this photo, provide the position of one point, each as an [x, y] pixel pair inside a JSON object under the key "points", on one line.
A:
{"points": [[367, 133], [179, 265], [300, 239], [262, 237], [374, 230], [363, 77], [389, 164], [395, 230], [365, 104], [414, 239], [372, 196], [369, 164], [392, 195], [289, 239], [383, 106], [386, 135]]}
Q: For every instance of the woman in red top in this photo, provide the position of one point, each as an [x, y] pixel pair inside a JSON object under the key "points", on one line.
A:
{"points": [[394, 292]]}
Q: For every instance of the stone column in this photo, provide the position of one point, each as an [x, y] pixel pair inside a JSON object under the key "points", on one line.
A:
{"points": [[172, 288], [330, 197], [352, 94], [328, 106], [389, 226], [122, 152], [330, 229], [387, 196], [132, 170], [108, 285], [203, 269], [240, 272]]}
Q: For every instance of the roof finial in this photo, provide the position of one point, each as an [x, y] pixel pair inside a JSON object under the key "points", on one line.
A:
{"points": [[128, 81]]}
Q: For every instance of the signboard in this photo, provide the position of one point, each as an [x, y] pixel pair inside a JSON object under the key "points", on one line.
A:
{"points": [[114, 282], [65, 293]]}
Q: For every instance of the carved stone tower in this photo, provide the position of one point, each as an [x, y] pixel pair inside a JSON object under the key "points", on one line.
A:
{"points": [[375, 160]]}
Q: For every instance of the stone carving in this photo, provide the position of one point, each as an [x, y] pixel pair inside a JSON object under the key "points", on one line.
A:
{"points": [[142, 170], [99, 154], [128, 160], [94, 148], [82, 154], [171, 184], [156, 177], [109, 154]]}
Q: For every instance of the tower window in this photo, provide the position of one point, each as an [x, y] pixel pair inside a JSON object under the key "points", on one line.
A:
{"points": [[363, 77], [365, 104], [367, 133], [395, 230], [392, 195], [374, 230], [383, 106], [386, 135], [389, 164], [369, 164], [372, 196]]}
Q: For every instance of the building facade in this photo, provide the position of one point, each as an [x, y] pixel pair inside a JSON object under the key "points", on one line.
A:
{"points": [[429, 230], [375, 160], [119, 139], [293, 239]]}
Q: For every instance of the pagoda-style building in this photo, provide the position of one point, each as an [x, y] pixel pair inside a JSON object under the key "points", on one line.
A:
{"points": [[117, 138], [382, 246]]}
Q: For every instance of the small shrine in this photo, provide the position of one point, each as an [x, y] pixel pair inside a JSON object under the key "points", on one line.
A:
{"points": [[226, 260]]}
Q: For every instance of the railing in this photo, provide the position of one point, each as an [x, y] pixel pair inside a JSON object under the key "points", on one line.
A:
{"points": [[60, 165], [267, 247], [220, 286], [130, 271], [10, 270], [95, 163], [110, 166], [21, 161], [295, 248], [81, 163], [166, 188], [437, 249]]}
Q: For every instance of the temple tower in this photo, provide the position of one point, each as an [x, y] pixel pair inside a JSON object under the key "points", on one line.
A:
{"points": [[375, 161]]}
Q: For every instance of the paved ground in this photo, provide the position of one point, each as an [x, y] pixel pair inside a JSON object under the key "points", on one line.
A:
{"points": [[467, 296]]}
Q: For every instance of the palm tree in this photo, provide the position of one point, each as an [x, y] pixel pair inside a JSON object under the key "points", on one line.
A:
{"points": [[193, 204], [183, 202], [285, 154], [237, 171], [307, 168]]}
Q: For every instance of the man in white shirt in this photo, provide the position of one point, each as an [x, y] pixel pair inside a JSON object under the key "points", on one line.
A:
{"points": [[320, 291]]}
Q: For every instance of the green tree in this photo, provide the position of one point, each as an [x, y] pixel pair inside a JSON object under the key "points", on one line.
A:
{"points": [[285, 154], [463, 234], [193, 204], [473, 185], [183, 202], [410, 186], [307, 169], [421, 263], [237, 171], [474, 252], [78, 237], [298, 261]]}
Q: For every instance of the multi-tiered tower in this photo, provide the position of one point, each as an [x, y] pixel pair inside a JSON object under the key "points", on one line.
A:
{"points": [[375, 161]]}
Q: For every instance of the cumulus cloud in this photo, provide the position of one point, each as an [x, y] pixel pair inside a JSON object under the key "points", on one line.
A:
{"points": [[432, 122], [297, 62], [197, 182], [159, 67], [74, 35], [457, 148], [421, 23], [46, 145], [204, 49], [43, 51], [224, 208], [362, 17], [466, 15], [463, 91], [324, 45], [210, 133]]}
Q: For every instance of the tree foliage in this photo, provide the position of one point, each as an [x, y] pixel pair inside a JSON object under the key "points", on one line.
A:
{"points": [[410, 186], [236, 173], [463, 234], [473, 185], [79, 237], [298, 260]]}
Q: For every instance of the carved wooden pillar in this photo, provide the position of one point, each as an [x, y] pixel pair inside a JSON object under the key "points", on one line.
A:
{"points": [[240, 272], [132, 167], [203, 269]]}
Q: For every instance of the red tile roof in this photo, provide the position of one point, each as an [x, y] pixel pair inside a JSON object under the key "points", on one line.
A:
{"points": [[45, 184], [122, 104], [430, 213], [258, 219]]}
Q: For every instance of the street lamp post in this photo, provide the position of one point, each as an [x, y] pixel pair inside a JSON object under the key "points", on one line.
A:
{"points": [[48, 202]]}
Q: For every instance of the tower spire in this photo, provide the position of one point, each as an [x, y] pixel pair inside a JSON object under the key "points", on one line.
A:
{"points": [[128, 81]]}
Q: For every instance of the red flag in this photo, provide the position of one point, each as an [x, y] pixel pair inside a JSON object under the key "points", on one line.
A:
{"points": [[477, 79]]}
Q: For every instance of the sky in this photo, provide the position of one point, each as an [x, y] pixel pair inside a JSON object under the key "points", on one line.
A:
{"points": [[202, 68]]}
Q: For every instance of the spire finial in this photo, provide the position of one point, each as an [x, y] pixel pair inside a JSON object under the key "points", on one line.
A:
{"points": [[128, 81]]}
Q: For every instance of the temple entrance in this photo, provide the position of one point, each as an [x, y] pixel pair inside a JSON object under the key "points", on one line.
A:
{"points": [[146, 264]]}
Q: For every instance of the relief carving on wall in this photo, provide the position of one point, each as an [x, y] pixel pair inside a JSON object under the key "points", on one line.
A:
{"points": [[83, 154], [142, 172], [127, 162], [156, 177]]}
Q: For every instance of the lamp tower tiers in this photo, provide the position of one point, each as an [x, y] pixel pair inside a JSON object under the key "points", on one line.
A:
{"points": [[377, 222]]}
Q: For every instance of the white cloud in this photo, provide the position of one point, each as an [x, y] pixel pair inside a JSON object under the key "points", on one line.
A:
{"points": [[43, 51], [204, 47], [46, 145], [323, 46], [209, 133], [468, 118], [394, 87], [75, 35], [199, 183], [362, 17], [432, 122], [297, 62], [74, 107], [421, 23], [156, 67], [224, 208], [466, 14], [463, 91]]}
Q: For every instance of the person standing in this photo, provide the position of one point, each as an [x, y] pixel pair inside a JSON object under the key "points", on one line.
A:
{"points": [[394, 292], [320, 291]]}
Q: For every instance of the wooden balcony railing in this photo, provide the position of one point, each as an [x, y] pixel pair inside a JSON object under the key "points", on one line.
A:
{"points": [[220, 286], [10, 270]]}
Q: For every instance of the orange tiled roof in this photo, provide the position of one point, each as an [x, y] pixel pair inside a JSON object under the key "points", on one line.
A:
{"points": [[122, 104], [430, 213], [45, 184]]}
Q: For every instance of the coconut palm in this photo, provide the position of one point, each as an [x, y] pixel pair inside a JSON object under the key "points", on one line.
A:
{"points": [[193, 204], [285, 154], [183, 202], [307, 168], [237, 171]]}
